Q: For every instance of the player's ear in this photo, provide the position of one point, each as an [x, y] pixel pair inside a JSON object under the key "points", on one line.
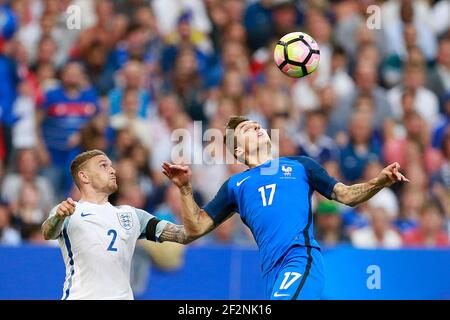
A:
{"points": [[82, 177], [239, 152]]}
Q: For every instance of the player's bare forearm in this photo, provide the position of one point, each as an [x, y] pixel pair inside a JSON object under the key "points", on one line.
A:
{"points": [[357, 193], [176, 233], [195, 220], [51, 228]]}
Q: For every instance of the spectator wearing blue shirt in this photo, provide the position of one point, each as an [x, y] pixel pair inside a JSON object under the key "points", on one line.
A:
{"points": [[258, 23], [133, 78], [314, 143], [66, 109], [8, 74], [360, 149], [443, 126]]}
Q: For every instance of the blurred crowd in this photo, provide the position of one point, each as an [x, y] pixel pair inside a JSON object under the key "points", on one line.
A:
{"points": [[124, 74]]}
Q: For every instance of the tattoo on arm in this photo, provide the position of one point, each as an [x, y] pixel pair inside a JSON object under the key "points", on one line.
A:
{"points": [[175, 233], [195, 220], [51, 228], [355, 194]]}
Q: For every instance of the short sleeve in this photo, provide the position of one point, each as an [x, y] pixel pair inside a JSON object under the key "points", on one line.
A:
{"points": [[221, 206], [148, 223], [318, 177]]}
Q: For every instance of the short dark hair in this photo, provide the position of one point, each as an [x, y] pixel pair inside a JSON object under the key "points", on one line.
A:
{"points": [[80, 160], [229, 138]]}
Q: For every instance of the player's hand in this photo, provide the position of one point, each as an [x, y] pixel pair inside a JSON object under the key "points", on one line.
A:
{"points": [[65, 208], [390, 175], [179, 174]]}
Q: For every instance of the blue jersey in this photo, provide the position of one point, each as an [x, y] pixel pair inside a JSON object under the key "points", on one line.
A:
{"points": [[65, 116], [276, 207]]}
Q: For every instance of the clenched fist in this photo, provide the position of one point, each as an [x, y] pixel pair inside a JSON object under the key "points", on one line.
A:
{"points": [[65, 208]]}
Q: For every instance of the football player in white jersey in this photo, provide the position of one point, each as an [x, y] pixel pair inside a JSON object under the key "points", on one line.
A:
{"points": [[97, 239]]}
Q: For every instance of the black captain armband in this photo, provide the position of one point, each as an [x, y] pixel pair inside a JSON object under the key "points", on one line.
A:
{"points": [[150, 231]]}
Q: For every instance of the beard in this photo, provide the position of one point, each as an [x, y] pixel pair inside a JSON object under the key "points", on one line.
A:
{"points": [[112, 187]]}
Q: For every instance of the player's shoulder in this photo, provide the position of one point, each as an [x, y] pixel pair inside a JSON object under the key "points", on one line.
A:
{"points": [[235, 178], [125, 207], [307, 162]]}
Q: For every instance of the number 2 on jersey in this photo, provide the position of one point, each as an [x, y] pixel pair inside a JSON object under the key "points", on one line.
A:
{"points": [[114, 236], [263, 194]]}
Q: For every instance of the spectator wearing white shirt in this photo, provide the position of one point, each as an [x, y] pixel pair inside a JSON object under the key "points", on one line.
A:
{"points": [[426, 103], [27, 172], [379, 234], [8, 235]]}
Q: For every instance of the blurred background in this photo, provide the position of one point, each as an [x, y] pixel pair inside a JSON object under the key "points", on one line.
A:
{"points": [[122, 75]]}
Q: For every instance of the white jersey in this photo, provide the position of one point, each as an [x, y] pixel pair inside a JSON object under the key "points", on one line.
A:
{"points": [[97, 244]]}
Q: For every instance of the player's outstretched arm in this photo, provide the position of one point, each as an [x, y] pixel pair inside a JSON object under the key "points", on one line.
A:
{"points": [[51, 228], [358, 193], [196, 222], [176, 233]]}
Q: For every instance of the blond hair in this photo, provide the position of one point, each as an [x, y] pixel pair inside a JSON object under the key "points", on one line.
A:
{"points": [[79, 161]]}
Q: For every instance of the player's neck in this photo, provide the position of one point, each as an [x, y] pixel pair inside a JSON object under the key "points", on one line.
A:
{"points": [[94, 197], [258, 159]]}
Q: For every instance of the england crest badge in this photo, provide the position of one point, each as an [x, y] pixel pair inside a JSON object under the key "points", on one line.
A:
{"points": [[125, 219]]}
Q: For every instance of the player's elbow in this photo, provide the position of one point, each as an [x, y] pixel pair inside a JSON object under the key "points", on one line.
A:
{"points": [[348, 202], [192, 234], [352, 203]]}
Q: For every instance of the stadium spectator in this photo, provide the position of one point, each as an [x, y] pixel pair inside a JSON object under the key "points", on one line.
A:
{"points": [[360, 149], [411, 201], [27, 209], [8, 235], [27, 173], [132, 76], [65, 111], [426, 103], [340, 80], [46, 53], [409, 15], [129, 117], [329, 230], [96, 134], [101, 32], [258, 23], [444, 126], [379, 234], [100, 74], [314, 143], [429, 232], [414, 147], [440, 181], [366, 84], [438, 79], [187, 84], [31, 35]]}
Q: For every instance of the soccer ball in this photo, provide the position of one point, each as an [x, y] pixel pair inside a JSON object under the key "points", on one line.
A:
{"points": [[297, 54]]}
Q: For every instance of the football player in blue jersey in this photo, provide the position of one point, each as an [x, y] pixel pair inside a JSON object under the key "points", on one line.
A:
{"points": [[276, 206]]}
